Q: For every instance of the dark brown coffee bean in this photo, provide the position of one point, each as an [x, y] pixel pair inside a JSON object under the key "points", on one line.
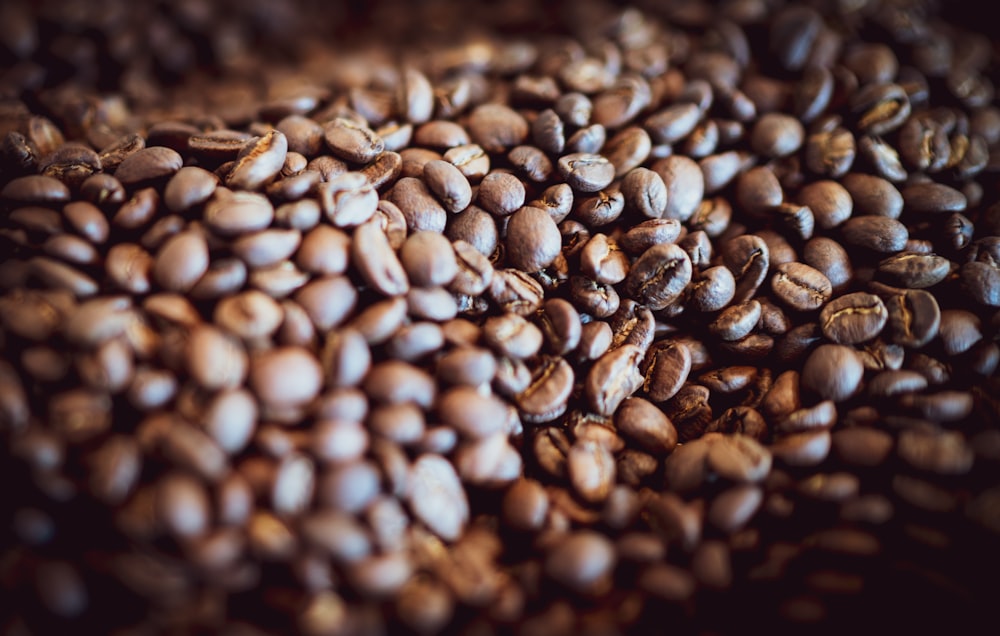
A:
{"points": [[628, 149], [591, 470], [915, 271], [941, 452], [932, 198], [877, 233], [834, 372], [736, 321], [853, 318], [914, 318], [148, 165], [673, 123], [419, 206], [659, 276], [496, 127], [513, 336], [738, 458], [776, 135], [533, 241], [258, 163], [831, 153], [873, 195], [829, 201], [233, 213], [586, 172], [644, 235], [667, 365], [890, 382], [36, 190], [525, 505], [352, 142], [582, 562], [793, 34], [880, 108], [644, 192], [436, 497], [685, 186], [713, 290], [602, 260], [450, 185], [801, 287], [747, 258], [614, 377], [640, 420], [428, 259], [831, 259], [560, 325], [287, 376], [377, 262]]}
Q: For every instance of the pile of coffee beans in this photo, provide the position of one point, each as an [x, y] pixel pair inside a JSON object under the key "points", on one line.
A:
{"points": [[521, 318]]}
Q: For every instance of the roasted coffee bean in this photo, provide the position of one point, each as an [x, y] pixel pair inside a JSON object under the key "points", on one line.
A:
{"points": [[496, 127], [645, 192], [533, 241], [352, 142], [545, 396], [831, 153], [148, 165], [876, 233], [628, 149], [232, 213], [801, 287], [914, 271], [614, 377], [258, 162], [713, 290], [853, 318], [586, 172], [659, 276], [450, 185], [582, 562], [932, 198], [376, 261], [776, 135], [641, 420], [685, 186], [747, 258], [649, 233], [834, 372], [873, 195], [736, 321]]}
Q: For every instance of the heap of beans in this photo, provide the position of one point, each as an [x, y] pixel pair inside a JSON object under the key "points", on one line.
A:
{"points": [[525, 318]]}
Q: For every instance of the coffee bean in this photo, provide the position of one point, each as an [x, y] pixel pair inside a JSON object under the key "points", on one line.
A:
{"points": [[776, 135], [801, 287], [833, 371], [496, 127], [232, 213], [932, 198], [533, 240], [376, 261], [673, 123], [914, 318], [645, 192], [586, 172], [582, 562], [747, 258], [614, 377], [853, 318], [258, 162], [831, 153], [659, 276], [736, 321], [352, 142], [436, 497], [285, 377], [148, 165], [642, 421]]}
